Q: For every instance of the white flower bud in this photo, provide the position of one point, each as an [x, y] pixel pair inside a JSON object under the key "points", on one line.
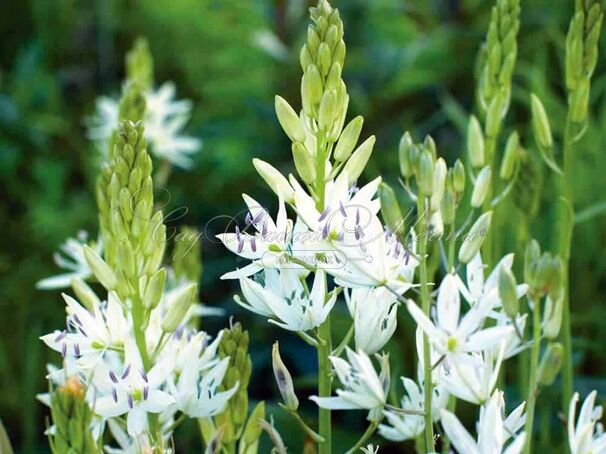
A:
{"points": [[475, 142], [284, 380], [355, 165], [178, 309], [473, 242], [100, 269], [289, 120], [275, 180], [481, 187], [303, 162], [349, 138], [154, 289], [540, 123], [439, 182]]}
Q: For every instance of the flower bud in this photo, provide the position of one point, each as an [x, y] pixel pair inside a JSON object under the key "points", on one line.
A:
{"points": [[510, 157], [311, 86], [275, 180], [458, 177], [552, 317], [473, 242], [355, 165], [289, 120], [349, 138], [448, 208], [328, 109], [85, 294], [178, 309], [284, 380], [324, 59], [100, 269], [439, 182], [303, 162], [531, 259], [579, 101], [551, 363], [305, 58], [406, 167], [425, 176], [545, 273], [154, 289], [540, 123], [334, 76], [390, 209], [507, 292], [475, 142], [481, 187], [430, 145], [495, 113]]}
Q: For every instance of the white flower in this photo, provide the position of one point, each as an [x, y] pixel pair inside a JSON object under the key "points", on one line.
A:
{"points": [[370, 449], [408, 426], [135, 391], [89, 335], [372, 255], [374, 311], [472, 377], [71, 257], [341, 204], [478, 289], [165, 118], [269, 241], [588, 436], [284, 298], [492, 430], [363, 388], [452, 334], [199, 376]]}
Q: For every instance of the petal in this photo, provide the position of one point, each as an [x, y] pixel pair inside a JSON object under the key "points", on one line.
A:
{"points": [[333, 403], [457, 434]]}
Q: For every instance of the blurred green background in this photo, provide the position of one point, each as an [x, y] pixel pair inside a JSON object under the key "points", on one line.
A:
{"points": [[409, 67]]}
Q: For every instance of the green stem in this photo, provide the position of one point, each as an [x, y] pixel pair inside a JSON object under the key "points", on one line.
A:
{"points": [[566, 219], [308, 430], [364, 438], [324, 348], [532, 381], [487, 250], [426, 304]]}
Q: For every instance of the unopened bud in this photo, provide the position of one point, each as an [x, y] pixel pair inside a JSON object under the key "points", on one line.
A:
{"points": [[551, 363], [154, 289], [552, 317], [100, 269], [328, 108], [507, 292], [495, 113], [355, 165], [275, 180], [430, 145], [439, 182], [349, 138], [473, 242], [406, 167], [579, 101], [481, 187], [178, 309], [303, 162], [531, 259], [324, 58], [85, 294], [510, 157], [545, 272], [312, 84], [458, 177], [475, 142], [540, 123], [390, 208], [448, 208], [284, 380], [425, 177], [289, 120]]}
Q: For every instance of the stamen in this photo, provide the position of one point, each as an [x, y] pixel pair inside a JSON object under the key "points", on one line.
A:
{"points": [[113, 377], [130, 401], [64, 350], [115, 394], [248, 219], [253, 244], [325, 231], [61, 336], [324, 214], [76, 349], [145, 392], [143, 375], [126, 372], [342, 208]]}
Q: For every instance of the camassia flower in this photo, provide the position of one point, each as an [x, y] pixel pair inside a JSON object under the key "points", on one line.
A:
{"points": [[493, 431], [472, 377], [479, 289], [165, 118], [89, 335], [363, 388], [285, 300], [587, 436], [268, 242], [452, 334], [374, 311], [408, 426], [134, 391], [200, 374], [71, 258]]}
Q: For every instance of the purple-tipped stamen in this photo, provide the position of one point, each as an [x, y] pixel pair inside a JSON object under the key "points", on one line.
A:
{"points": [[240, 245], [342, 209], [77, 350], [126, 372], [115, 394], [248, 219], [238, 233], [113, 377], [325, 231], [253, 244], [130, 401], [60, 336], [64, 350], [145, 392], [324, 214], [143, 375]]}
